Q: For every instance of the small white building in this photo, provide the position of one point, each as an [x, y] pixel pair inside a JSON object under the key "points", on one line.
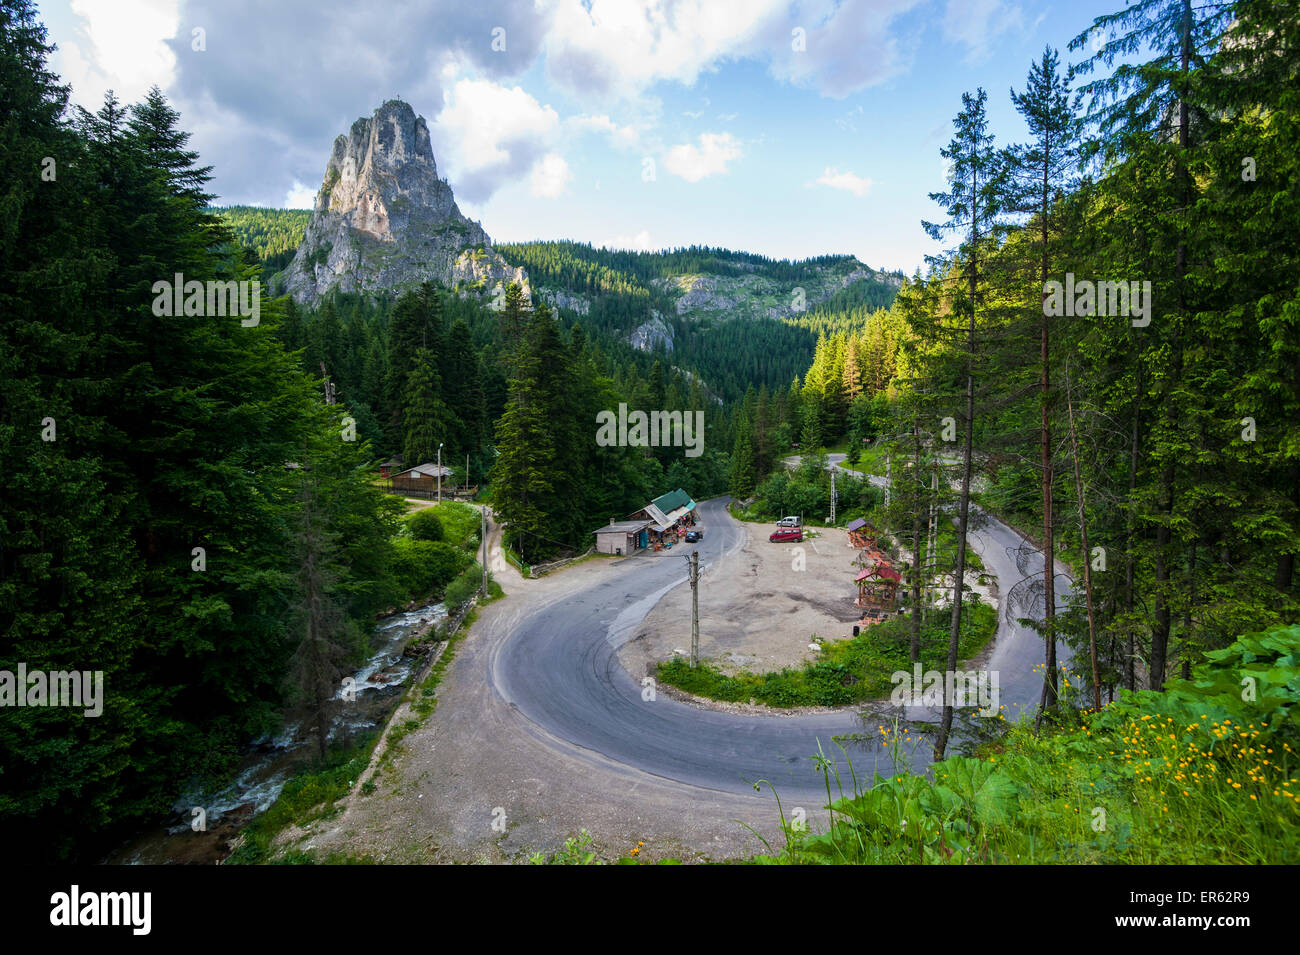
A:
{"points": [[621, 537]]}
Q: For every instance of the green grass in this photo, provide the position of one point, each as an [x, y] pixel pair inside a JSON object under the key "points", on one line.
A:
{"points": [[460, 522], [848, 671], [1194, 775], [309, 795], [871, 460]]}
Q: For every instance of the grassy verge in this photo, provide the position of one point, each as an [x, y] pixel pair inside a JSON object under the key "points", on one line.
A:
{"points": [[1193, 775], [309, 796], [870, 460], [460, 522], [849, 671]]}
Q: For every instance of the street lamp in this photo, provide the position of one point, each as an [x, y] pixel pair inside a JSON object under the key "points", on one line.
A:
{"points": [[439, 473]]}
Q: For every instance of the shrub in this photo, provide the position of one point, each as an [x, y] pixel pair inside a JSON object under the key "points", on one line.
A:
{"points": [[426, 567], [461, 590], [425, 525], [1158, 770], [460, 522]]}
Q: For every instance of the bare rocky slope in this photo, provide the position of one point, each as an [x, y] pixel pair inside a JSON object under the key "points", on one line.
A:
{"points": [[384, 220]]}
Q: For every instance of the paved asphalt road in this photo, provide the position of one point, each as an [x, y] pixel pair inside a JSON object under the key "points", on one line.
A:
{"points": [[559, 668]]}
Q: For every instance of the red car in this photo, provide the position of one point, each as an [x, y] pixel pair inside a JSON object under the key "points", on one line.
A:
{"points": [[786, 535]]}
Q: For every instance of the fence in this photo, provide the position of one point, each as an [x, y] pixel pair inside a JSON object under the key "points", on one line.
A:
{"points": [[519, 565], [539, 569], [431, 494]]}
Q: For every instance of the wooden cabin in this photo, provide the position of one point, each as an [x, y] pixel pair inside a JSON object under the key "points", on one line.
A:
{"points": [[878, 587]]}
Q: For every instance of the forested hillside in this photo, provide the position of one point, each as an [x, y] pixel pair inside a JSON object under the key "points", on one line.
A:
{"points": [[733, 318], [156, 476], [273, 234]]}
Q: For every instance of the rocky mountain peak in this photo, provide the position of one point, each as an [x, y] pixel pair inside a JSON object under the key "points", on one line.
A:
{"points": [[383, 220]]}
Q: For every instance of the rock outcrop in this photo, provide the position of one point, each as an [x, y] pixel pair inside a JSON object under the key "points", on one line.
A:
{"points": [[384, 221], [650, 335]]}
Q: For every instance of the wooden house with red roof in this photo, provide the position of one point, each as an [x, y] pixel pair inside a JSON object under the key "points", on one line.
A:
{"points": [[878, 586]]}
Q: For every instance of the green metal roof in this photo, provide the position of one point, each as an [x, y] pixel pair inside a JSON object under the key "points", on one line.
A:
{"points": [[673, 500]]}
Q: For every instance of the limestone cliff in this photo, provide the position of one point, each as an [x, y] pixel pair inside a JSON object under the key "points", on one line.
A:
{"points": [[383, 220]]}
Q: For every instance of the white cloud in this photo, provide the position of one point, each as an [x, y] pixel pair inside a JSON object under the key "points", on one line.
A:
{"points": [[977, 24], [710, 157], [847, 181], [486, 119], [636, 243], [550, 176], [489, 135], [118, 46], [848, 44], [618, 48], [300, 196], [622, 136]]}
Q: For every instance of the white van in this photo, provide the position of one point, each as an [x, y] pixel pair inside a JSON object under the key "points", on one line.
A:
{"points": [[789, 522]]}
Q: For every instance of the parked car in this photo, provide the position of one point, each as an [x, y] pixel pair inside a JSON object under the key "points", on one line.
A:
{"points": [[786, 534], [789, 522], [693, 536]]}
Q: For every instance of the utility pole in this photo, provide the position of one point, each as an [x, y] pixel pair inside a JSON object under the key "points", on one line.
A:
{"points": [[693, 568], [483, 536], [833, 496], [439, 473]]}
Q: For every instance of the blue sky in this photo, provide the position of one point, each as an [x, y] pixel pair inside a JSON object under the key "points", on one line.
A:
{"points": [[619, 122]]}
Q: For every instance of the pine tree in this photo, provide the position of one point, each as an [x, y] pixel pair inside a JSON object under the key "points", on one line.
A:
{"points": [[971, 206], [427, 418], [1039, 173], [743, 471], [522, 476]]}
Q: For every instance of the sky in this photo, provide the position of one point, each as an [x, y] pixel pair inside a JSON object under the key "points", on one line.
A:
{"points": [[790, 128]]}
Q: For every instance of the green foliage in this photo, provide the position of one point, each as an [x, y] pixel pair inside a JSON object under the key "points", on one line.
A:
{"points": [[460, 522], [847, 671], [550, 475], [1142, 782], [424, 525], [173, 433], [272, 234], [461, 590], [574, 852], [305, 797], [424, 568], [622, 290]]}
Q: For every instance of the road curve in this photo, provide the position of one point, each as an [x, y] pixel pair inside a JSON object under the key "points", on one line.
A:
{"points": [[559, 669]]}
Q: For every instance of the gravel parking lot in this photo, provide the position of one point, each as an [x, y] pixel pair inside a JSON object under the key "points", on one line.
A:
{"points": [[759, 606]]}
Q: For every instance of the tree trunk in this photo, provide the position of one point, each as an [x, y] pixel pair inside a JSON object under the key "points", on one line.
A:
{"points": [[1045, 451], [963, 512], [914, 652], [1164, 536], [1087, 555], [1130, 658]]}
